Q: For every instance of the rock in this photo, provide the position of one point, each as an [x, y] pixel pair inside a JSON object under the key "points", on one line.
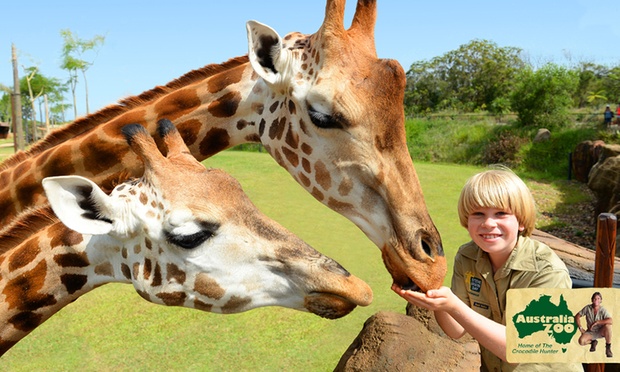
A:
{"points": [[584, 157], [542, 135], [396, 342], [604, 179]]}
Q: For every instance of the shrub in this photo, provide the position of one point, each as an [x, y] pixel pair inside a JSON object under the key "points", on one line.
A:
{"points": [[542, 97]]}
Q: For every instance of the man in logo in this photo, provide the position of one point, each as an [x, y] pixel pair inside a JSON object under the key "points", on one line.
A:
{"points": [[599, 323]]}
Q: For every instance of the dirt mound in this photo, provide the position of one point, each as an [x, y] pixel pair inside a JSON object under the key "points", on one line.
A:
{"points": [[396, 342]]}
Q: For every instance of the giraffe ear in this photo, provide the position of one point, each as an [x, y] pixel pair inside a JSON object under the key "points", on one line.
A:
{"points": [[80, 204], [265, 51]]}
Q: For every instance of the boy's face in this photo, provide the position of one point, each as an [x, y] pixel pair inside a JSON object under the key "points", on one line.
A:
{"points": [[494, 230]]}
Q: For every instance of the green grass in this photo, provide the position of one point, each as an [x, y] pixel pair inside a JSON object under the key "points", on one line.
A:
{"points": [[112, 328]]}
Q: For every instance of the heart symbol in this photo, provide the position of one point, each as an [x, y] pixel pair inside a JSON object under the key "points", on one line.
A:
{"points": [[563, 349]]}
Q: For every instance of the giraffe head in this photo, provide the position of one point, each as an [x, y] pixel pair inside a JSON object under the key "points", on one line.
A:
{"points": [[188, 236], [337, 126]]}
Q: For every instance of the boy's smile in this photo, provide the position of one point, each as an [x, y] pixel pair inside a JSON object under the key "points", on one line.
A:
{"points": [[495, 231]]}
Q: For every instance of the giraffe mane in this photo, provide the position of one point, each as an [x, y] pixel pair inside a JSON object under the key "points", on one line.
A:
{"points": [[27, 223], [109, 112]]}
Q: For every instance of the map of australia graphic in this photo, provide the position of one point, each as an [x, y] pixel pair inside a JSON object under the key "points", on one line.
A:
{"points": [[544, 316]]}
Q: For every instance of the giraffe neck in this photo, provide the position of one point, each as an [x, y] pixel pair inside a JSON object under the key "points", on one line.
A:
{"points": [[42, 272], [214, 108]]}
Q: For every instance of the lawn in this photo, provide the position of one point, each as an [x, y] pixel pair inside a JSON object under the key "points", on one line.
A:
{"points": [[112, 328]]}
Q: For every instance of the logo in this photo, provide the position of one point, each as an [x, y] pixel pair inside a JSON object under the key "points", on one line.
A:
{"points": [[475, 284]]}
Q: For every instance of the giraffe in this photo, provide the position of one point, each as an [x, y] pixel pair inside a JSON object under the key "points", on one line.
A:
{"points": [[182, 234], [324, 106]]}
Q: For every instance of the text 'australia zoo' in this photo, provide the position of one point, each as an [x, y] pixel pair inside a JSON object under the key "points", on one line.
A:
{"points": [[551, 323]]}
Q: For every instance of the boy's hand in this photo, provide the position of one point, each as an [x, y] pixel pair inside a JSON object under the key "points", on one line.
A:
{"points": [[435, 299]]}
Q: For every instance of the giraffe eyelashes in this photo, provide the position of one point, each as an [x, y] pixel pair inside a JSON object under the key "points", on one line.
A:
{"points": [[191, 241], [322, 120]]}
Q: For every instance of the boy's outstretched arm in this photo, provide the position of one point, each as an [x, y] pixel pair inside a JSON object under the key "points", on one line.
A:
{"points": [[456, 318]]}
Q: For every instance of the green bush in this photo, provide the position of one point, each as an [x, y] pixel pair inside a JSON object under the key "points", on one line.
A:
{"points": [[483, 142], [542, 97]]}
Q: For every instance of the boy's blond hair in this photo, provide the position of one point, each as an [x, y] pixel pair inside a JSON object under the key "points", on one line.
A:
{"points": [[502, 189]]}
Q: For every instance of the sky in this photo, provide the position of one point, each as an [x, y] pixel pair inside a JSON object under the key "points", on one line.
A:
{"points": [[151, 42]]}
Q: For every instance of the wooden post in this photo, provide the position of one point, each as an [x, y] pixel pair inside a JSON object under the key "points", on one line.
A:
{"points": [[604, 265], [605, 250]]}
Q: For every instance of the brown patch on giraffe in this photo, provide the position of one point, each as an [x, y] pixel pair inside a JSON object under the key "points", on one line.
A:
{"points": [[27, 194], [235, 305], [273, 107], [148, 244], [278, 157], [23, 291], [172, 298], [175, 274], [61, 165], [25, 255], [60, 235], [242, 124], [144, 199], [318, 195], [19, 170], [189, 130], [105, 269], [7, 206], [99, 156], [258, 108], [291, 156], [6, 345], [147, 269], [276, 130], [73, 282], [26, 321], [202, 305], [253, 138], [322, 176], [206, 286], [305, 164], [226, 106], [222, 81], [261, 127], [126, 271], [216, 140], [177, 104], [113, 128], [302, 126], [144, 295], [292, 138], [345, 187], [72, 260], [157, 278], [340, 207], [304, 180]]}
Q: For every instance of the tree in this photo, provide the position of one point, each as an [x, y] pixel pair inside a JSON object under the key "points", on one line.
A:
{"points": [[74, 49], [33, 87], [543, 97], [474, 77]]}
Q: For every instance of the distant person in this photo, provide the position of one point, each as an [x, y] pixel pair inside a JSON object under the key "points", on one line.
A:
{"points": [[599, 323], [608, 115], [498, 211], [618, 114]]}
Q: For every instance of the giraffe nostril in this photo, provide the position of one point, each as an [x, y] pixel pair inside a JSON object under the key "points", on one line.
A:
{"points": [[427, 248]]}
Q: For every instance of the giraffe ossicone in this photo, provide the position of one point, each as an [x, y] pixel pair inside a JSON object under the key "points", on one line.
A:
{"points": [[183, 235], [324, 106]]}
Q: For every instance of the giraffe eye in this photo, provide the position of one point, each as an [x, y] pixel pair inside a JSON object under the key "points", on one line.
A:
{"points": [[322, 120], [191, 241]]}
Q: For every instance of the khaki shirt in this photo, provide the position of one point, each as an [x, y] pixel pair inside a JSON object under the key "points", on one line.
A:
{"points": [[588, 312], [531, 264]]}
